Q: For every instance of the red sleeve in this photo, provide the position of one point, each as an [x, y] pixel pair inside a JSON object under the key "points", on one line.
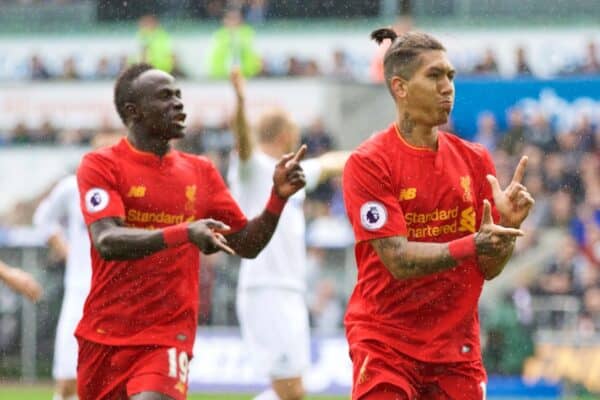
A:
{"points": [[371, 203], [221, 205], [485, 189], [98, 191]]}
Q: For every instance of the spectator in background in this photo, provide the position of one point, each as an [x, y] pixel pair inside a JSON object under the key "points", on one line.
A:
{"points": [[233, 45], [554, 172], [591, 64], [37, 69], [513, 140], [523, 68], [104, 70], [256, 11], [317, 139], [561, 207], [294, 67], [488, 64], [156, 48], [487, 131], [20, 134], [341, 67], [559, 275], [69, 71], [540, 133], [46, 133], [404, 24]]}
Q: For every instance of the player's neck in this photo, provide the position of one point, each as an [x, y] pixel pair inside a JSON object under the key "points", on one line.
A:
{"points": [[417, 135], [146, 144]]}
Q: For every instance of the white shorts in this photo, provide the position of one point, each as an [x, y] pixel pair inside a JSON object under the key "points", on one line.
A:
{"points": [[65, 345], [274, 325]]}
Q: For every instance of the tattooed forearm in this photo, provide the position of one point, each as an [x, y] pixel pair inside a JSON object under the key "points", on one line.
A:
{"points": [[406, 259], [492, 266]]}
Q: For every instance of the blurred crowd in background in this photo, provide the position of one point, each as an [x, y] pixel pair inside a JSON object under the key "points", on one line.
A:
{"points": [[235, 43]]}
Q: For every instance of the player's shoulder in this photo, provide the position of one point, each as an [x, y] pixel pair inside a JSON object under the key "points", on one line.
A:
{"points": [[194, 160], [376, 149], [466, 147], [376, 142], [105, 155]]}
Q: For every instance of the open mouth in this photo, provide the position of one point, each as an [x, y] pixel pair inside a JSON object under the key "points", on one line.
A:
{"points": [[179, 120]]}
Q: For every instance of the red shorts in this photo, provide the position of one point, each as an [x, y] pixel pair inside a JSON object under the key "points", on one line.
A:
{"points": [[381, 373], [118, 372]]}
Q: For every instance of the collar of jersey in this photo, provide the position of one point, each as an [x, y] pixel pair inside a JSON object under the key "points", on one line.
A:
{"points": [[145, 157], [420, 151]]}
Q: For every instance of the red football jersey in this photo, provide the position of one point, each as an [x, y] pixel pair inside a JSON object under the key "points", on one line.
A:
{"points": [[153, 300], [394, 189]]}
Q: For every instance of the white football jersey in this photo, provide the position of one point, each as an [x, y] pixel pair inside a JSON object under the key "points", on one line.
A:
{"points": [[282, 263], [61, 209]]}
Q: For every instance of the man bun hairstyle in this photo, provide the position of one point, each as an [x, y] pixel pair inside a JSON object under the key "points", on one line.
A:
{"points": [[124, 87], [402, 58], [379, 35]]}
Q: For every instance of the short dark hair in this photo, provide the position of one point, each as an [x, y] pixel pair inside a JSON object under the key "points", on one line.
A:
{"points": [[402, 57], [123, 86]]}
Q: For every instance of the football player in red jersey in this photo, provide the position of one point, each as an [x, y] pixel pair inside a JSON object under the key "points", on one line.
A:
{"points": [[431, 224], [150, 211]]}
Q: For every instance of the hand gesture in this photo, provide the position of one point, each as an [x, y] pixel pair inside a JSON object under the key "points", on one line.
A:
{"points": [[24, 283], [238, 82], [206, 235], [491, 238], [288, 177], [514, 202]]}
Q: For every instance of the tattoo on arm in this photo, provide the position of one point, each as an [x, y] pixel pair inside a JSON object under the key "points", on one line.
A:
{"points": [[493, 266], [405, 259]]}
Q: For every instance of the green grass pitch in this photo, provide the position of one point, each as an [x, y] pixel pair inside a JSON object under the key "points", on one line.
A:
{"points": [[13, 392]]}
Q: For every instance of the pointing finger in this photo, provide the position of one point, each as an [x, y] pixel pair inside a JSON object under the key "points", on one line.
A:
{"points": [[300, 153], [504, 231], [520, 171]]}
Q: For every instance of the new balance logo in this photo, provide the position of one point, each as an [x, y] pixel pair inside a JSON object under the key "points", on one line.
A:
{"points": [[137, 191], [408, 193]]}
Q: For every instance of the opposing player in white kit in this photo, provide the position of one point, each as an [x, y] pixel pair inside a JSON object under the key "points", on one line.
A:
{"points": [[60, 207], [271, 288]]}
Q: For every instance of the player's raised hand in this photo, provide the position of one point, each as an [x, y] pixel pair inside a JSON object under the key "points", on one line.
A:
{"points": [[492, 238], [514, 202], [288, 177], [207, 235], [238, 82]]}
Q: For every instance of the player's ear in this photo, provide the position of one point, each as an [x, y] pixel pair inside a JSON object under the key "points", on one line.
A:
{"points": [[131, 111], [398, 86]]}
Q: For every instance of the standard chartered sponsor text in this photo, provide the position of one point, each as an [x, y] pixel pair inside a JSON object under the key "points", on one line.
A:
{"points": [[162, 217], [451, 216]]}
